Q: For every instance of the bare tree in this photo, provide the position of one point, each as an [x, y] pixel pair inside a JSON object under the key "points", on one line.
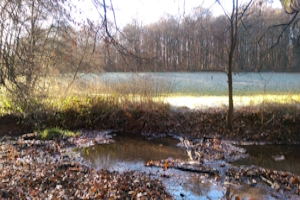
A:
{"points": [[235, 19], [29, 35]]}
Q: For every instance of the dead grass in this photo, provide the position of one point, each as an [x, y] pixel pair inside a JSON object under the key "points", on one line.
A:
{"points": [[139, 107], [97, 113]]}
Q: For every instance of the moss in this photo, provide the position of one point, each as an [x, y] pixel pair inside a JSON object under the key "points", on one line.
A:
{"points": [[53, 133]]}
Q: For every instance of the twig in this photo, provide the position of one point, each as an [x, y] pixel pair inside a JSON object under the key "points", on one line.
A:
{"points": [[266, 180], [205, 171], [278, 39], [272, 118], [3, 138], [223, 9]]}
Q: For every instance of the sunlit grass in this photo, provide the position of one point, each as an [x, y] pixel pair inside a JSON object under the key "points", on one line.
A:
{"points": [[55, 132], [220, 101], [59, 96]]}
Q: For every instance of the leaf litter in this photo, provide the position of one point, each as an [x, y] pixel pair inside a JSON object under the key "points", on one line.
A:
{"points": [[36, 169], [212, 157]]}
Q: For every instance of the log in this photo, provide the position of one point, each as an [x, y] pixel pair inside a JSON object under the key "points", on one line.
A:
{"points": [[205, 171]]}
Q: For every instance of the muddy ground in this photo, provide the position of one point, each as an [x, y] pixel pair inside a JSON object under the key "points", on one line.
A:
{"points": [[277, 127]]}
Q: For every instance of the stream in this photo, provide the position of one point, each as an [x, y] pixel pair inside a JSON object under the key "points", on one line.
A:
{"points": [[131, 152], [263, 155]]}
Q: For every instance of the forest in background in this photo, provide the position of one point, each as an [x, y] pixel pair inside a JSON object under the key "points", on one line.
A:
{"points": [[198, 42], [43, 39]]}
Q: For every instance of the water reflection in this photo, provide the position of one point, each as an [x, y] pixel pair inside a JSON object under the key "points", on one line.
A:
{"points": [[261, 155], [131, 151]]}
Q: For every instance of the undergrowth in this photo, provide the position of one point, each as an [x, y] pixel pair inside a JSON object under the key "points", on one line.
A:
{"points": [[55, 132], [85, 107]]}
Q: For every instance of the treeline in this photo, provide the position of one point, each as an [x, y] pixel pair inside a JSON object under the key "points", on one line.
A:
{"points": [[199, 42], [40, 39]]}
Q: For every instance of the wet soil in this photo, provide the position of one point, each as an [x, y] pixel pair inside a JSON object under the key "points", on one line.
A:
{"points": [[28, 162], [131, 152], [35, 169], [12, 125], [278, 127]]}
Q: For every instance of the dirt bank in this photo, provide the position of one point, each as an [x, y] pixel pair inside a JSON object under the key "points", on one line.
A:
{"points": [[277, 127]]}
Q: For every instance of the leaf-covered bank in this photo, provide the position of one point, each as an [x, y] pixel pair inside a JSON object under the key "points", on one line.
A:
{"points": [[277, 123], [36, 169]]}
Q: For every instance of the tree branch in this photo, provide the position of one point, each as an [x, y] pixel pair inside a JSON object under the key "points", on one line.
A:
{"points": [[279, 37], [278, 25], [218, 1]]}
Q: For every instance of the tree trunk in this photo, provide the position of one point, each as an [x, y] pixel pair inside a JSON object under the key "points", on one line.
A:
{"points": [[230, 108], [233, 42]]}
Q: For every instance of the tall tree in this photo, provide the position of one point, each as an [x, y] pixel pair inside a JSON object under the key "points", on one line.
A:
{"points": [[235, 18]]}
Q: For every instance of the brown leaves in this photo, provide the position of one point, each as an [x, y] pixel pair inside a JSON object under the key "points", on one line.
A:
{"points": [[74, 43], [45, 171], [149, 163], [166, 165], [237, 198], [294, 180]]}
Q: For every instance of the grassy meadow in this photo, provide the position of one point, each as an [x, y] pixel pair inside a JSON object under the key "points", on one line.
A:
{"points": [[137, 90]]}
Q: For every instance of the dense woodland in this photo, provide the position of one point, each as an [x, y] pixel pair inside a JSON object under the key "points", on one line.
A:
{"points": [[198, 42], [42, 38]]}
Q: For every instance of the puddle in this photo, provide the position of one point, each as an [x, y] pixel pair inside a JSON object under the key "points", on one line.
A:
{"points": [[261, 155], [130, 152]]}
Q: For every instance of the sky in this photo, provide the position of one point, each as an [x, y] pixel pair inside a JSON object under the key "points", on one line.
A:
{"points": [[150, 11]]}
